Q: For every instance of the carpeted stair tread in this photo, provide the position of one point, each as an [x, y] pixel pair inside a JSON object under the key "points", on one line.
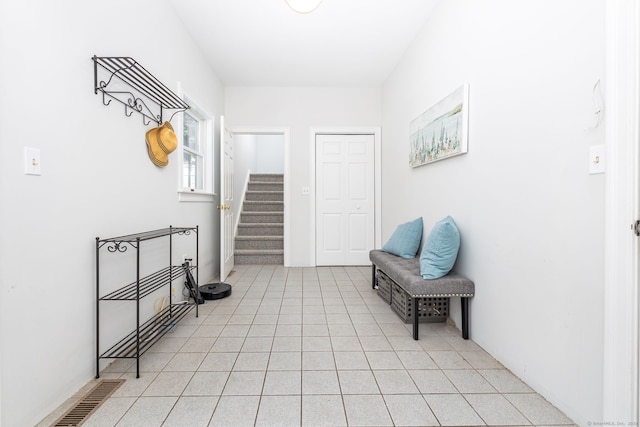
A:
{"points": [[259, 237]]}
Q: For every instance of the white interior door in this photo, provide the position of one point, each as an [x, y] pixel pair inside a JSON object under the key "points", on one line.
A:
{"points": [[226, 202], [621, 385], [345, 208]]}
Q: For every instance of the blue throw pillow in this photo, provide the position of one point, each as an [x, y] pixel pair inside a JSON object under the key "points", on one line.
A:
{"points": [[405, 241], [440, 251]]}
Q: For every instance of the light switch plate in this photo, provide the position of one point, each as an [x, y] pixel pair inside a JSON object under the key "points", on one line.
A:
{"points": [[31, 161], [596, 159]]}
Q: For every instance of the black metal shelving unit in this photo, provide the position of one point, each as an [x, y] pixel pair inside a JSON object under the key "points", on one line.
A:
{"points": [[122, 78], [147, 333]]}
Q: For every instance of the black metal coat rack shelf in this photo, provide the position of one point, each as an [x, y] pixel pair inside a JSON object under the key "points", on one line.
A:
{"points": [[125, 80], [146, 332]]}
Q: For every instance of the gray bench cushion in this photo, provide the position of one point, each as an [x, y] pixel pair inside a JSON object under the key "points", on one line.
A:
{"points": [[406, 273]]}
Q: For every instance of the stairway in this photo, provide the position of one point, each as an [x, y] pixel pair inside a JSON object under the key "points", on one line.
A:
{"points": [[259, 239]]}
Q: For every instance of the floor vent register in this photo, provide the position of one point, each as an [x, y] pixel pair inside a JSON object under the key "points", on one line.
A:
{"points": [[88, 404]]}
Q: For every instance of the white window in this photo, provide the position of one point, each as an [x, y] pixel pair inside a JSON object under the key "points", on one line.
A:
{"points": [[195, 129], [193, 153]]}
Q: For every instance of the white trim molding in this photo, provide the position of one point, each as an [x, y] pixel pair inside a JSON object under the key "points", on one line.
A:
{"points": [[247, 178], [206, 194], [620, 394], [196, 196]]}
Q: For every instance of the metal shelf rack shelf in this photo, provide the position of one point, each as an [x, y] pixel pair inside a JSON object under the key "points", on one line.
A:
{"points": [[147, 333], [150, 332], [125, 80], [147, 285]]}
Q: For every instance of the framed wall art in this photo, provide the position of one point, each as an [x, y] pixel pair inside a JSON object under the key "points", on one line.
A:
{"points": [[441, 131]]}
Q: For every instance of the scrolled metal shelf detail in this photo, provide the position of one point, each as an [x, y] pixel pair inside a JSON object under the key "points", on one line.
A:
{"points": [[116, 247], [119, 246]]}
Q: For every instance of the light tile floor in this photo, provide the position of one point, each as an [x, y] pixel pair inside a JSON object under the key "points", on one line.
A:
{"points": [[315, 347]]}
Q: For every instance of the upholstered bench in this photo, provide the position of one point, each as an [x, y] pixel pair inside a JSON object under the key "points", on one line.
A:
{"points": [[405, 272]]}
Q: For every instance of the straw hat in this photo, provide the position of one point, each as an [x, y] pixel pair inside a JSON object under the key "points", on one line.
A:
{"points": [[161, 141], [167, 138]]}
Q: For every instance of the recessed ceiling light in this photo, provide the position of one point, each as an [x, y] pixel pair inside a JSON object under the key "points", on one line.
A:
{"points": [[304, 6]]}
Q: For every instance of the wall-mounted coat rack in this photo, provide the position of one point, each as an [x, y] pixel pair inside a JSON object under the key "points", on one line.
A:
{"points": [[126, 81]]}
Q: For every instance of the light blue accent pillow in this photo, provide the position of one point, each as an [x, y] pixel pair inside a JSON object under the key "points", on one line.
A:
{"points": [[440, 251], [405, 241]]}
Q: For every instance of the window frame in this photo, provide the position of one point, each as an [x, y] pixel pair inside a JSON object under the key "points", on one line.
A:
{"points": [[206, 131]]}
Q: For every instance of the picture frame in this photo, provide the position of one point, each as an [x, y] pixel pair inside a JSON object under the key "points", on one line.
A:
{"points": [[440, 132]]}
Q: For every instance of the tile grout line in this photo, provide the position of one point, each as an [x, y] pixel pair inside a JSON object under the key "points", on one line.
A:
{"points": [[311, 282]]}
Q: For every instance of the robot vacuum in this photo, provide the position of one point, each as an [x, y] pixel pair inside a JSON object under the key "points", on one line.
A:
{"points": [[212, 291]]}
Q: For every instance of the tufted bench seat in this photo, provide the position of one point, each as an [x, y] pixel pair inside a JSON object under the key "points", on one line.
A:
{"points": [[405, 272]]}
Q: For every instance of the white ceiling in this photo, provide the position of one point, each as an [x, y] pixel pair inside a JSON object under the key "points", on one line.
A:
{"points": [[345, 43]]}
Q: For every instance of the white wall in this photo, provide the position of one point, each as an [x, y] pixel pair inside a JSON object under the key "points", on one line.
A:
{"points": [[244, 161], [269, 153], [301, 109], [97, 180], [530, 215], [259, 153]]}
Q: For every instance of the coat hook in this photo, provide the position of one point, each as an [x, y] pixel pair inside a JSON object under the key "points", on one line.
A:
{"points": [[105, 99], [598, 108]]}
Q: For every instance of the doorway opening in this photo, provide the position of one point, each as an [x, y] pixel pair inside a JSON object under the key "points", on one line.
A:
{"points": [[261, 190]]}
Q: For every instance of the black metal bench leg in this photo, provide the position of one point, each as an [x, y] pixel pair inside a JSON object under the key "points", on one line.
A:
{"points": [[465, 317], [373, 276], [416, 318]]}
